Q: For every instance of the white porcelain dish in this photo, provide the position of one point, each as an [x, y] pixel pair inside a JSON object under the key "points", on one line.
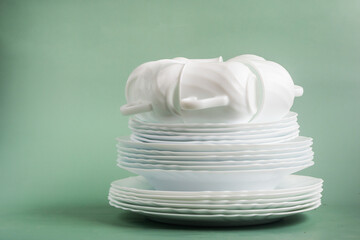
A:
{"points": [[188, 180], [290, 117], [276, 86], [228, 206], [292, 185], [239, 90], [257, 154], [217, 219], [161, 135], [213, 147], [225, 198], [213, 211], [292, 197], [143, 128], [220, 167], [181, 140], [211, 160]]}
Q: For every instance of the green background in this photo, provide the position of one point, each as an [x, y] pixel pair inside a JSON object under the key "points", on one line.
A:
{"points": [[63, 68]]}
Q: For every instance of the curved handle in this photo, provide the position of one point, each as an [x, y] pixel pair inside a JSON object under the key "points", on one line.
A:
{"points": [[298, 91], [193, 103], [134, 108]]}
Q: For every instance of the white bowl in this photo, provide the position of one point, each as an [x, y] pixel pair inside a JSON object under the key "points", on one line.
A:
{"points": [[188, 180], [290, 186]]}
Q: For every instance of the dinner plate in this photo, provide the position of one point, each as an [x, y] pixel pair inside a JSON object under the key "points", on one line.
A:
{"points": [[217, 130], [223, 199], [217, 219], [228, 206], [219, 159], [292, 185], [230, 167], [213, 147], [213, 211], [207, 162], [274, 153], [291, 116], [226, 135], [181, 140]]}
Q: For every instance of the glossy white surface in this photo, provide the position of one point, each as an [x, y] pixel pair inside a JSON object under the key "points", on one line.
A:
{"points": [[213, 147], [243, 89], [236, 180], [294, 195], [212, 140], [217, 158], [290, 185], [218, 165]]}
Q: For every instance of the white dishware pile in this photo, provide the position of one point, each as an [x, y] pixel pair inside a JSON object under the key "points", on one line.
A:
{"points": [[214, 143]]}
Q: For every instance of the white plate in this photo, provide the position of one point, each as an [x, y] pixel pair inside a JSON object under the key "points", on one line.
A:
{"points": [[261, 154], [292, 185], [213, 211], [211, 137], [239, 180], [217, 220], [228, 206], [234, 161], [249, 133], [224, 199], [212, 158], [288, 118], [220, 130], [213, 147], [181, 140], [219, 167]]}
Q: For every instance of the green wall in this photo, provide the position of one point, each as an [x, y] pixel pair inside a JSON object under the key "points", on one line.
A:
{"points": [[64, 65]]}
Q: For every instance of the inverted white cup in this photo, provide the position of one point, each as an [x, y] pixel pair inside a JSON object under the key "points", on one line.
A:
{"points": [[277, 90], [244, 89]]}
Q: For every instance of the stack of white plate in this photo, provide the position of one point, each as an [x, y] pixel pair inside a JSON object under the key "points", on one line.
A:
{"points": [[295, 194], [255, 133], [214, 143], [215, 157]]}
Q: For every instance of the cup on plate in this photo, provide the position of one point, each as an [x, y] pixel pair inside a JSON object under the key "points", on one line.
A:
{"points": [[244, 89]]}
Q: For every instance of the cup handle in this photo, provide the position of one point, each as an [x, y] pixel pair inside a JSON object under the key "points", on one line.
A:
{"points": [[299, 91], [193, 103], [134, 108]]}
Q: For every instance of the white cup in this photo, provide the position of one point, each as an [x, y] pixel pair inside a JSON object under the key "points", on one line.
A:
{"points": [[244, 89], [277, 90], [191, 91]]}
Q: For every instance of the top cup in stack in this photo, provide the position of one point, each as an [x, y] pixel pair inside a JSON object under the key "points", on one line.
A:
{"points": [[209, 125]]}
